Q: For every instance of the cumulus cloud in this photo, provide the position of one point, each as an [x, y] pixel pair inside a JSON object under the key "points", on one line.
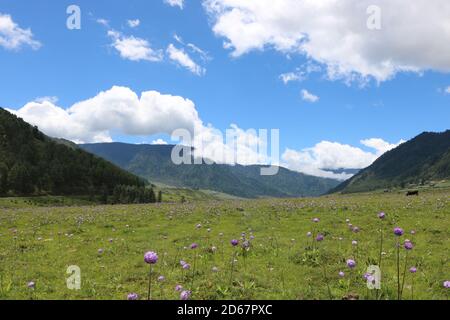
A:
{"points": [[308, 96], [133, 23], [120, 110], [133, 48], [175, 3], [12, 37], [180, 57], [447, 90], [335, 34], [326, 156]]}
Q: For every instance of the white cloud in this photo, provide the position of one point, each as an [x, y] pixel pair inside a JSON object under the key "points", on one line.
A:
{"points": [[328, 155], [175, 3], [447, 90], [103, 22], [335, 34], [133, 23], [308, 96], [133, 48], [12, 37], [290, 76], [159, 142], [193, 48], [122, 111], [183, 59]]}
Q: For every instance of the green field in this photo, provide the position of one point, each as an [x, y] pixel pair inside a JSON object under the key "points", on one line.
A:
{"points": [[38, 243]]}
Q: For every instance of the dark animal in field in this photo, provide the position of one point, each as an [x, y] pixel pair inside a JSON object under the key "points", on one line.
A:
{"points": [[412, 193]]}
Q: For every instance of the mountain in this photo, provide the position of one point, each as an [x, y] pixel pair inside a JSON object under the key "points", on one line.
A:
{"points": [[422, 159], [154, 162], [33, 164]]}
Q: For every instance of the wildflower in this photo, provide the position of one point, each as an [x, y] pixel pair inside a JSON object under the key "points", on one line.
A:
{"points": [[178, 287], [31, 285], [100, 251], [161, 278], [213, 248], [413, 269], [186, 266], [351, 263], [382, 215], [408, 245], [347, 220], [413, 232], [354, 243], [246, 245], [316, 220], [447, 284], [309, 234], [252, 237], [355, 229], [198, 226], [319, 237], [151, 257], [185, 295], [182, 262], [215, 269], [194, 246], [234, 242], [341, 274], [132, 296], [398, 231]]}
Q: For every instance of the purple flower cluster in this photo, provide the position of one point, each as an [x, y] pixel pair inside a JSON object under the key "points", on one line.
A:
{"points": [[133, 296], [398, 231], [351, 263], [151, 257], [185, 295], [234, 242]]}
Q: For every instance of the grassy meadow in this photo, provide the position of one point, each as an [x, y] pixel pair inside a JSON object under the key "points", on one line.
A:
{"points": [[108, 243]]}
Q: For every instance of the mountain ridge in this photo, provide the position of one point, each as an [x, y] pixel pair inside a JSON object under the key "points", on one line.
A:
{"points": [[154, 162]]}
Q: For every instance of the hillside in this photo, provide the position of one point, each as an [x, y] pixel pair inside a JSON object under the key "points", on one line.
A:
{"points": [[423, 159], [34, 164], [154, 162]]}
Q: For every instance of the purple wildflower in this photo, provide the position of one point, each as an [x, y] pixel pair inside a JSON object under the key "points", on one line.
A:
{"points": [[151, 257], [341, 274], [132, 296], [178, 287], [316, 220], [398, 231], [408, 245], [185, 295], [194, 246], [351, 263], [161, 278], [382, 215], [186, 266], [319, 237], [413, 269], [31, 285], [356, 229], [447, 284], [234, 242]]}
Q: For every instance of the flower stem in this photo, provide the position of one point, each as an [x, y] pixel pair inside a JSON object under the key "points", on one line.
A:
{"points": [[149, 295], [398, 270]]}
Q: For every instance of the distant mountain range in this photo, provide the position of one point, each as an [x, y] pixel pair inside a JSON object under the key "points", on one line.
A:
{"points": [[154, 163], [422, 159], [33, 164]]}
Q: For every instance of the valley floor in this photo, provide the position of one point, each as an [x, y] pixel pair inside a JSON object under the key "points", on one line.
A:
{"points": [[108, 243]]}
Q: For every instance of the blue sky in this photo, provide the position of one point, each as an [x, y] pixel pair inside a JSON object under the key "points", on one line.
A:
{"points": [[243, 89]]}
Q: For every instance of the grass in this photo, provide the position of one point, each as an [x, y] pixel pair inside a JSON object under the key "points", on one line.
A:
{"points": [[39, 243]]}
